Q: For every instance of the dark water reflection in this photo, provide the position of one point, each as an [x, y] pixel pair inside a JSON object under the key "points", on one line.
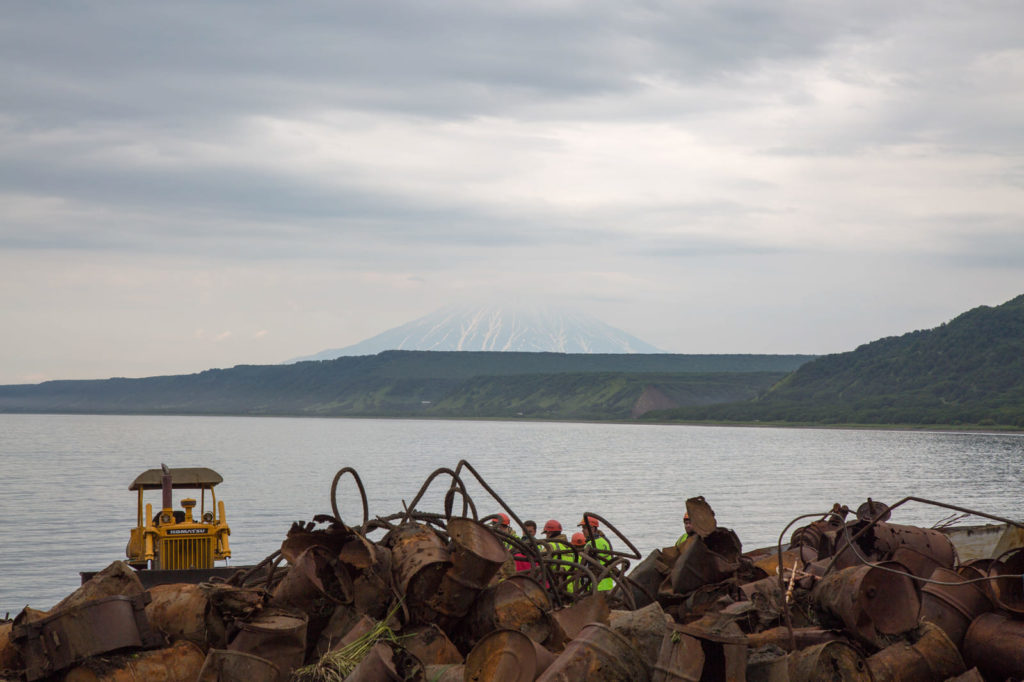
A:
{"points": [[66, 506]]}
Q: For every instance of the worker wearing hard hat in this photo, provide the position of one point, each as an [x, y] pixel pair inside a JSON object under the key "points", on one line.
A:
{"points": [[557, 543], [688, 527], [601, 547]]}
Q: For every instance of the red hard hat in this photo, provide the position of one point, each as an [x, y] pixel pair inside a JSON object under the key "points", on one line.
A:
{"points": [[503, 517], [589, 519], [552, 526], [578, 540]]}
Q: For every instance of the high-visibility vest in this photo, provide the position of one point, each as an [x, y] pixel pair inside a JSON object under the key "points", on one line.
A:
{"points": [[604, 548]]}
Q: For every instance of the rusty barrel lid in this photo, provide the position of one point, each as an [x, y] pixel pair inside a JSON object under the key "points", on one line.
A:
{"points": [[507, 655]]}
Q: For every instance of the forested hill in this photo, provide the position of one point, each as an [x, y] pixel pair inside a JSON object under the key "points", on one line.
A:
{"points": [[424, 383], [969, 371]]}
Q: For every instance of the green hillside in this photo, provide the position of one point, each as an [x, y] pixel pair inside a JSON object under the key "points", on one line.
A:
{"points": [[420, 383], [969, 371]]}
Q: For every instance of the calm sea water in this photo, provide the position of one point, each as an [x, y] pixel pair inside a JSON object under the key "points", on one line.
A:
{"points": [[66, 506]]}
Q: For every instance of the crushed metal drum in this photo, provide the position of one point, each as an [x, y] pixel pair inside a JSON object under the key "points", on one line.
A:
{"points": [[181, 662], [680, 657], [995, 645], [932, 657], [222, 665], [952, 607], [597, 654], [870, 600], [277, 635], [70, 635], [828, 662]]}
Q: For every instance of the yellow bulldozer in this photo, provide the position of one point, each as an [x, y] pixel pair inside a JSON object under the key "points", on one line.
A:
{"points": [[179, 539]]}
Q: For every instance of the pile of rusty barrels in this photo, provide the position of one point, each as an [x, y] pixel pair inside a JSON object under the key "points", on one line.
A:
{"points": [[845, 599]]}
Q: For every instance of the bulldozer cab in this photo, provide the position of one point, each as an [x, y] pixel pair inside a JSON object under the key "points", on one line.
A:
{"points": [[179, 539]]}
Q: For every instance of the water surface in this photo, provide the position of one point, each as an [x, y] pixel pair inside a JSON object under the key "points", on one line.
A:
{"points": [[66, 506]]}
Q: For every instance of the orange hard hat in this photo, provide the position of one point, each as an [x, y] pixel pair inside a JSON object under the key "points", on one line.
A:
{"points": [[589, 519], [552, 526], [502, 519], [578, 540]]}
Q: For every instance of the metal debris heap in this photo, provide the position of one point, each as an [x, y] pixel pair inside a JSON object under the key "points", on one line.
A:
{"points": [[851, 596]]}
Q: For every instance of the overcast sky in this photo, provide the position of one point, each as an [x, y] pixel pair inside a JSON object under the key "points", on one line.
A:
{"points": [[191, 185]]}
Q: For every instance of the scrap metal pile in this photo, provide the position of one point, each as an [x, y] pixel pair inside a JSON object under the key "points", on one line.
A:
{"points": [[436, 597]]}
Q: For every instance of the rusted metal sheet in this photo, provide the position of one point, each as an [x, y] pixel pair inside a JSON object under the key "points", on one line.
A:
{"points": [[445, 673], [277, 635], [507, 655], [304, 583], [971, 675], [10, 656], [179, 663], [725, 646], [782, 637], [431, 645], [647, 576], [377, 666], [870, 601], [995, 644], [932, 657], [70, 635], [597, 654], [702, 516], [222, 665], [952, 607], [828, 662], [680, 657]]}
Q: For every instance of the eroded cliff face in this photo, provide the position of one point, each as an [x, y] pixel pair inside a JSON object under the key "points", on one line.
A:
{"points": [[652, 398]]}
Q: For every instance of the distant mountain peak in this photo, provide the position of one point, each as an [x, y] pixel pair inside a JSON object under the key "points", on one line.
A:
{"points": [[499, 327]]}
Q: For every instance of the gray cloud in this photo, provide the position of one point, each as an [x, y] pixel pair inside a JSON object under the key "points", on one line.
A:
{"points": [[383, 158]]}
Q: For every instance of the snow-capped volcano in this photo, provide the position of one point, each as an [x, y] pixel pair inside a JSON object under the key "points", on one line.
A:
{"points": [[497, 328]]}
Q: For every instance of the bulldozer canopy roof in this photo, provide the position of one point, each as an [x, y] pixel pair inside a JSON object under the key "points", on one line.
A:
{"points": [[187, 477]]}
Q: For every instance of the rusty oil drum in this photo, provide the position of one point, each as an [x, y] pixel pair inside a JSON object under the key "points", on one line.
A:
{"points": [[517, 603], [952, 607], [597, 654], [277, 635], [705, 560], [1008, 592], [680, 659], [870, 600], [995, 644], [932, 657], [507, 655], [828, 661], [476, 555], [934, 544], [419, 559]]}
